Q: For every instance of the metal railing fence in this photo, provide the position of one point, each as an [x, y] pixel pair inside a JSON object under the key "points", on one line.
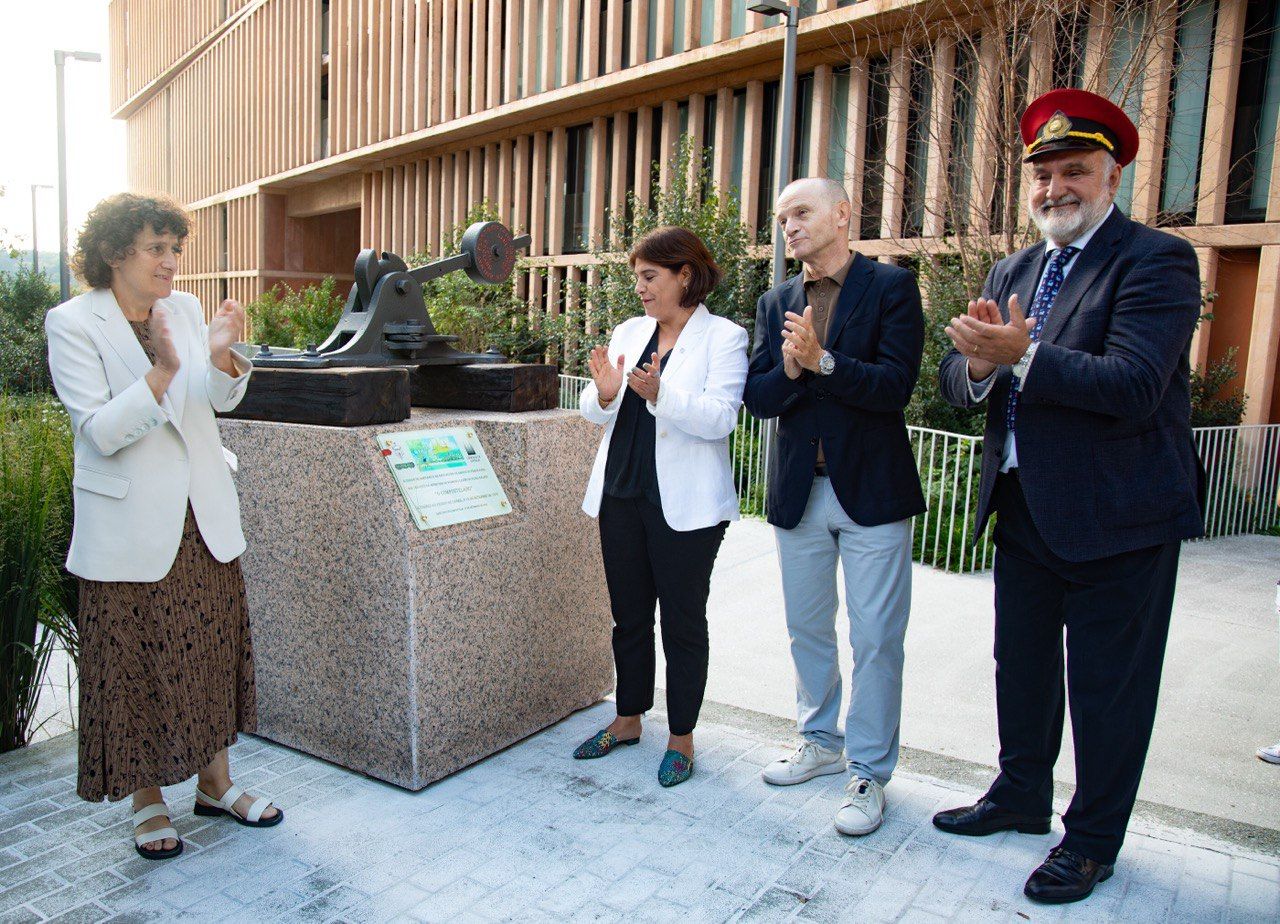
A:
{"points": [[1242, 464]]}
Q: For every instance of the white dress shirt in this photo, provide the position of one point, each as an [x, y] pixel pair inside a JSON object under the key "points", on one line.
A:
{"points": [[978, 391]]}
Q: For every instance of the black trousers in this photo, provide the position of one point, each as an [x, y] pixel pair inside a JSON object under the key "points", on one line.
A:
{"points": [[646, 562], [1116, 614]]}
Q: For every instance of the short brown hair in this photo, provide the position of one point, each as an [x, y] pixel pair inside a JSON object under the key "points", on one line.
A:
{"points": [[674, 248], [113, 226]]}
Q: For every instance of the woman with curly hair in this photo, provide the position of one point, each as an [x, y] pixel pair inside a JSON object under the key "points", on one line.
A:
{"points": [[166, 666]]}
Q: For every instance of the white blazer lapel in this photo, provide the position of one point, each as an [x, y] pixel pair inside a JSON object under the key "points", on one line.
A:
{"points": [[185, 340], [117, 332], [631, 346], [687, 342]]}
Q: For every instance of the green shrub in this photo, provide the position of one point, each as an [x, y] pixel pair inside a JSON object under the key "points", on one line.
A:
{"points": [[37, 597], [1215, 402], [25, 297], [296, 317]]}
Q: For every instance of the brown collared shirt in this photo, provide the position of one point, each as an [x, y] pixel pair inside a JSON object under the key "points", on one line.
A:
{"points": [[821, 294]]}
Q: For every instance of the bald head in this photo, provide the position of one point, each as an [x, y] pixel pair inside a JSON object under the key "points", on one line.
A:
{"points": [[830, 191], [814, 215]]}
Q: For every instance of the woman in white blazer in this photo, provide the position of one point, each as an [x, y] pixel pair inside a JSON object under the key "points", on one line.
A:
{"points": [[667, 392], [166, 663]]}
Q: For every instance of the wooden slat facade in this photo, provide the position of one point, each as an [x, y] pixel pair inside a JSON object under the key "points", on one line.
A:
{"points": [[299, 131]]}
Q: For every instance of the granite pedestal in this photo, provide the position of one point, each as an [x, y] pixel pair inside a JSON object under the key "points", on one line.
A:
{"points": [[409, 654]]}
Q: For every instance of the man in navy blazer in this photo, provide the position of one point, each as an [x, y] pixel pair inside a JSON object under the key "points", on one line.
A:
{"points": [[836, 356], [1080, 348]]}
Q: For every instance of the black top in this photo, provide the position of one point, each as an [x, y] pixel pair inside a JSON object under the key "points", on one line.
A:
{"points": [[630, 471]]}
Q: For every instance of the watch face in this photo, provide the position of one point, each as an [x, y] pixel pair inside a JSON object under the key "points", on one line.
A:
{"points": [[827, 364]]}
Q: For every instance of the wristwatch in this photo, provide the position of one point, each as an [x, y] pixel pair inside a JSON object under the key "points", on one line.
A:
{"points": [[826, 364], [1021, 366]]}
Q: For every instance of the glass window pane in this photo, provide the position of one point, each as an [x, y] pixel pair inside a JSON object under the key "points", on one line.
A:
{"points": [[1189, 93], [839, 124], [1124, 79], [1257, 101], [874, 147]]}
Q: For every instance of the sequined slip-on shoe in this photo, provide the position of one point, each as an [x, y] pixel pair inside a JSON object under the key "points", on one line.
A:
{"points": [[600, 744], [675, 768]]}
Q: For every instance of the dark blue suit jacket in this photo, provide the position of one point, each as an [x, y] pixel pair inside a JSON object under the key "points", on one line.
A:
{"points": [[1105, 456], [876, 335]]}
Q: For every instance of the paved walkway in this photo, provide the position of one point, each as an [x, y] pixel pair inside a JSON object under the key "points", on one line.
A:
{"points": [[1219, 700], [531, 835]]}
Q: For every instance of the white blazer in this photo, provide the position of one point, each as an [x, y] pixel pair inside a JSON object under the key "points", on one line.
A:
{"points": [[697, 409], [137, 462]]}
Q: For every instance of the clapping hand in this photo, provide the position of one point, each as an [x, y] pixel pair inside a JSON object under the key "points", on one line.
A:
{"points": [[162, 340], [800, 342], [607, 376], [226, 328], [986, 340], [645, 380]]}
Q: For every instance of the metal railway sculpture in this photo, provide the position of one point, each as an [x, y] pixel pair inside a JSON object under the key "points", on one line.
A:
{"points": [[386, 322]]}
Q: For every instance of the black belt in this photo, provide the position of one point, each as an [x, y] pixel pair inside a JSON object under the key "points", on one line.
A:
{"points": [[820, 469]]}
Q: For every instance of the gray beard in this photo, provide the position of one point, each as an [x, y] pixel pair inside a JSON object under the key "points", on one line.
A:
{"points": [[1065, 230]]}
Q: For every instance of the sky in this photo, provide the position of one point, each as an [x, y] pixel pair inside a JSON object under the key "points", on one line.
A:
{"points": [[30, 30]]}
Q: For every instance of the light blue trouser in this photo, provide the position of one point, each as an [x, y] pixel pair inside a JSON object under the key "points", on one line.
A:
{"points": [[877, 580]]}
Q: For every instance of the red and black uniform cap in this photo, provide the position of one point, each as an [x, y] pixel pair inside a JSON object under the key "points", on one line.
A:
{"points": [[1077, 120]]}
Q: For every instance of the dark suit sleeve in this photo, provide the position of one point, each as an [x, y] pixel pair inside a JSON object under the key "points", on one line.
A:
{"points": [[1155, 311], [769, 392], [886, 383], [953, 371]]}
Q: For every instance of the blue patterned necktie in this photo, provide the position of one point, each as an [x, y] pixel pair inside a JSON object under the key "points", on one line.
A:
{"points": [[1040, 305]]}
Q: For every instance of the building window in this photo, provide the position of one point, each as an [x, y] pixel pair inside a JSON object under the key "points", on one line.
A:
{"points": [[739, 139], [1003, 208], [918, 128], [324, 116], [633, 121], [626, 33], [839, 123], [706, 157], [873, 150], [963, 125], [1069, 50], [577, 192], [677, 18], [602, 44], [768, 156], [1125, 82], [651, 33], [1188, 100], [1257, 101], [803, 126]]}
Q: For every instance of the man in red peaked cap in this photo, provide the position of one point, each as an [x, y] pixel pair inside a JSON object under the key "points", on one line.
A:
{"points": [[1079, 347]]}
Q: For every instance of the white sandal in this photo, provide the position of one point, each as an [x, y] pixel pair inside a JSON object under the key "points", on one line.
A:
{"points": [[209, 806], [145, 814]]}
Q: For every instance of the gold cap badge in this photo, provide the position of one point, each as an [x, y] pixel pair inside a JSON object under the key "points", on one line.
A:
{"points": [[1058, 126]]}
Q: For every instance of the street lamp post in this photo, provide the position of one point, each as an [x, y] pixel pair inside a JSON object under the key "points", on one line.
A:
{"points": [[59, 65], [786, 130], [35, 243]]}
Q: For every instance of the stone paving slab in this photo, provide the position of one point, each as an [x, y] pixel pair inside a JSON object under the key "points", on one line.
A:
{"points": [[530, 834]]}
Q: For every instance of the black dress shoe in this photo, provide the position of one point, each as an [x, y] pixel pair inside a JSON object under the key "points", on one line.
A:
{"points": [[1065, 877], [985, 817]]}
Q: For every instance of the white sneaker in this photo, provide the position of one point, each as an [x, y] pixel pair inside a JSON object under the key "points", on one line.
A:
{"points": [[808, 761], [1271, 755], [863, 807]]}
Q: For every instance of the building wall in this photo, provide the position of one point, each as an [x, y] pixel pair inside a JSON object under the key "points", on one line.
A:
{"points": [[299, 131]]}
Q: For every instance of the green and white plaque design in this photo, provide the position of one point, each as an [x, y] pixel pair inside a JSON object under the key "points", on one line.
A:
{"points": [[444, 475]]}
